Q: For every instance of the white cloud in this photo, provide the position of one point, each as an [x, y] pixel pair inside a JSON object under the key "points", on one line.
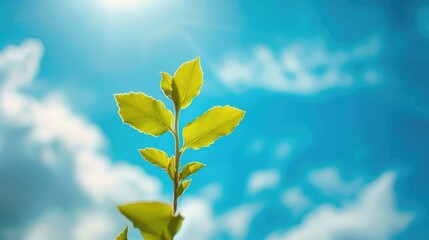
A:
{"points": [[51, 225], [255, 146], [295, 200], [19, 65], [92, 225], [83, 225], [283, 149], [329, 181], [69, 151], [372, 216], [301, 68], [261, 180], [237, 221], [212, 192], [202, 223]]}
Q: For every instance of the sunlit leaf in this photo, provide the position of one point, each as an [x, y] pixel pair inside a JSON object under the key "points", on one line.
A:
{"points": [[155, 220], [182, 187], [156, 157], [166, 81], [173, 227], [171, 167], [144, 113], [190, 169], [123, 234], [215, 123], [187, 82]]}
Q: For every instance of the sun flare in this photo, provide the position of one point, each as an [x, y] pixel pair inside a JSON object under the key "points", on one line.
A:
{"points": [[118, 5]]}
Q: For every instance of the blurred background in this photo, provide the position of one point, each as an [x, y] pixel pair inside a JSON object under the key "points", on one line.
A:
{"points": [[334, 144]]}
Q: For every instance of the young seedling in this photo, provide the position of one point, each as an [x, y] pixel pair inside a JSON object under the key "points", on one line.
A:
{"points": [[157, 220]]}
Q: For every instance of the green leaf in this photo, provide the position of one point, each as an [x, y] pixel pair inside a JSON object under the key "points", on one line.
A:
{"points": [[144, 113], [123, 234], [182, 187], [156, 157], [166, 81], [171, 167], [215, 123], [187, 82], [190, 169], [154, 219], [173, 227]]}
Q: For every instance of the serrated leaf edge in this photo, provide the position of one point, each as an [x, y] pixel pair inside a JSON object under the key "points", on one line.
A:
{"points": [[233, 127], [199, 90], [181, 177], [160, 85], [139, 150], [170, 128]]}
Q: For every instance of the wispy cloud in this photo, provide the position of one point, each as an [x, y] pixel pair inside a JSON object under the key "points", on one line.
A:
{"points": [[255, 146], [202, 222], [300, 68], [237, 220], [60, 184], [296, 200], [355, 220], [59, 176], [262, 180], [283, 150], [329, 181]]}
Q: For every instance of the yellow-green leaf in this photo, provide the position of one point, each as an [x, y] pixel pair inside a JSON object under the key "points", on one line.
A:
{"points": [[173, 228], [123, 234], [190, 169], [156, 157], [144, 113], [171, 167], [155, 220], [166, 81], [215, 123], [182, 187], [187, 82]]}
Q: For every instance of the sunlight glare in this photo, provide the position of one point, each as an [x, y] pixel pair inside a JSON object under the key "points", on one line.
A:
{"points": [[117, 5]]}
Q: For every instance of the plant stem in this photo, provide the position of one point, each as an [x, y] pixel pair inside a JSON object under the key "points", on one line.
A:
{"points": [[178, 153]]}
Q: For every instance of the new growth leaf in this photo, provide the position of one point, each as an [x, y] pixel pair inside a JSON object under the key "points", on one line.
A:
{"points": [[144, 113], [157, 220]]}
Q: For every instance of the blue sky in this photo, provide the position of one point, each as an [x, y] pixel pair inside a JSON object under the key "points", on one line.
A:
{"points": [[334, 144]]}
